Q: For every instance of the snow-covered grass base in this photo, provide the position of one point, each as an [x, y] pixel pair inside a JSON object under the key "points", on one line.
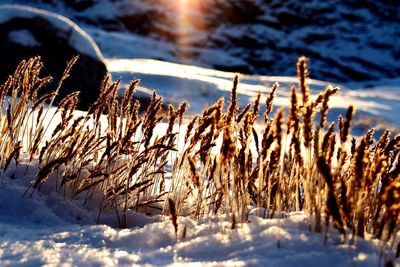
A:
{"points": [[49, 229]]}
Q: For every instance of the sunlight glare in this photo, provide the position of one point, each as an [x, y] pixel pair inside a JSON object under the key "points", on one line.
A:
{"points": [[187, 21]]}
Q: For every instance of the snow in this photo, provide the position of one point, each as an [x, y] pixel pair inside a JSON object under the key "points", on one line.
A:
{"points": [[23, 37], [49, 229], [78, 38], [128, 45]]}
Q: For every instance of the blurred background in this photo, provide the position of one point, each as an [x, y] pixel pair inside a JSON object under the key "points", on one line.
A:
{"points": [[345, 40]]}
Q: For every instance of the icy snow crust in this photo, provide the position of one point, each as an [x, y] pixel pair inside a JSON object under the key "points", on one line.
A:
{"points": [[78, 38]]}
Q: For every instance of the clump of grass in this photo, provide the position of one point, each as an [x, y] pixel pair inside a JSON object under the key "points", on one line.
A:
{"points": [[122, 162], [297, 164]]}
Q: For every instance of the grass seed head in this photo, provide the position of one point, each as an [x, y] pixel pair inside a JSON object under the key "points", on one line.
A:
{"points": [[302, 72]]}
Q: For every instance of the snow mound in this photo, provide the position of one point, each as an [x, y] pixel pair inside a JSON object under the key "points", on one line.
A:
{"points": [[78, 38], [201, 87]]}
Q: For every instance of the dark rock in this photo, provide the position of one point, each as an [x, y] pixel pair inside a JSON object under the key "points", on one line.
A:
{"points": [[25, 36]]}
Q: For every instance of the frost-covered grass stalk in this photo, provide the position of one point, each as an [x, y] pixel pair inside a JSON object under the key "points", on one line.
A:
{"points": [[297, 164]]}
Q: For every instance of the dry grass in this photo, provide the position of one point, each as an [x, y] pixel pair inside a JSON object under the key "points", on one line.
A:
{"points": [[298, 164]]}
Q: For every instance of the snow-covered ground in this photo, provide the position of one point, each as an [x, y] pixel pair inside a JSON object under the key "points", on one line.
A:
{"points": [[48, 229], [51, 230]]}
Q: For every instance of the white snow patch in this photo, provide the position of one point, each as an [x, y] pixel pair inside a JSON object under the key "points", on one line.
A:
{"points": [[23, 37]]}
